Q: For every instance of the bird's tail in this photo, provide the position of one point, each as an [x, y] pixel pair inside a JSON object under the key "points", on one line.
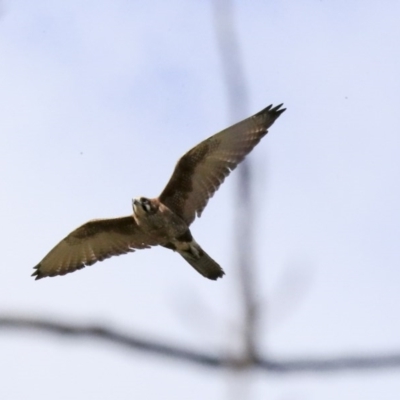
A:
{"points": [[202, 262]]}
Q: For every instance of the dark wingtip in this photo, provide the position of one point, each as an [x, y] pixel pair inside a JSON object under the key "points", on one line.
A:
{"points": [[218, 274], [37, 274], [278, 110], [275, 112]]}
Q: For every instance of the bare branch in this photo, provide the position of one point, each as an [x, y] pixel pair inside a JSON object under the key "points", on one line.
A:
{"points": [[334, 364], [237, 96], [128, 341], [134, 343]]}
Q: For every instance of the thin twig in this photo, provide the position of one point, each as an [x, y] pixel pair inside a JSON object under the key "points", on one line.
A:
{"points": [[133, 343], [128, 341], [235, 81]]}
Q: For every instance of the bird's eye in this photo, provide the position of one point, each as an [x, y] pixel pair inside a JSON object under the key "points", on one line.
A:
{"points": [[145, 204]]}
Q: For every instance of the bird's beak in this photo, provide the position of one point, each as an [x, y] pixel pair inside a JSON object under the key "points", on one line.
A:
{"points": [[135, 203]]}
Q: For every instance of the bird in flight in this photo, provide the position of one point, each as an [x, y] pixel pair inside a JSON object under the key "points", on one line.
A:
{"points": [[165, 220]]}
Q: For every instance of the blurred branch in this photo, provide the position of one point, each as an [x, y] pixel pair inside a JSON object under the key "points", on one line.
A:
{"points": [[173, 352], [235, 81], [130, 342], [229, 51]]}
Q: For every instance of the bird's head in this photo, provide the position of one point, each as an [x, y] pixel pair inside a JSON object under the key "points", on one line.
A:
{"points": [[143, 206]]}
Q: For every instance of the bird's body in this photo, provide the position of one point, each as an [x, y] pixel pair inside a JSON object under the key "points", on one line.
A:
{"points": [[165, 220], [157, 220]]}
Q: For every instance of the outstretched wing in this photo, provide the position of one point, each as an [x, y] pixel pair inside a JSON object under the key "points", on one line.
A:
{"points": [[94, 241], [200, 172]]}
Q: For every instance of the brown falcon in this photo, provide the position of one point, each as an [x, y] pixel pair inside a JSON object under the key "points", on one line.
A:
{"points": [[165, 220]]}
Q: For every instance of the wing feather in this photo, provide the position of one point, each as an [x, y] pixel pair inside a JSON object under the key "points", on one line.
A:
{"points": [[94, 241], [201, 171]]}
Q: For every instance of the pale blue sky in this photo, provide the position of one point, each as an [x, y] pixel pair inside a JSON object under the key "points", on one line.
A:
{"points": [[99, 99]]}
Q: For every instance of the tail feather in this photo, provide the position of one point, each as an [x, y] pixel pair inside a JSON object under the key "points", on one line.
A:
{"points": [[203, 264]]}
